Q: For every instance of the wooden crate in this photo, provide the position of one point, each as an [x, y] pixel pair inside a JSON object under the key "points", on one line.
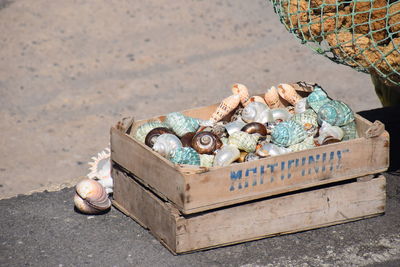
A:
{"points": [[293, 212], [194, 189]]}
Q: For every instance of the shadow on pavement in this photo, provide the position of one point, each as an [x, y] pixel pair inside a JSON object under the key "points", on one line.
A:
{"points": [[390, 116]]}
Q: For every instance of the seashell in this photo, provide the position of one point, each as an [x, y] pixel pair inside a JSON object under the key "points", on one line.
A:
{"points": [[181, 124], [287, 92], [185, 155], [317, 99], [265, 116], [242, 157], [255, 127], [290, 109], [327, 132], [335, 113], [242, 91], [219, 130], [206, 142], [255, 111], [166, 143], [206, 160], [152, 136], [234, 126], [301, 106], [307, 119], [304, 86], [91, 197], [251, 157], [227, 105], [269, 149], [272, 99], [237, 115], [350, 131], [244, 141], [288, 133], [306, 144], [186, 139], [224, 141], [280, 114], [100, 169], [226, 155], [144, 129], [256, 98]]}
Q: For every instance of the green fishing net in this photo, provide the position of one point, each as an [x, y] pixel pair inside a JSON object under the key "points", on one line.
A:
{"points": [[362, 34]]}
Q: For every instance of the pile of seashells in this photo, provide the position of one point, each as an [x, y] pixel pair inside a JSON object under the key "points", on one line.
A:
{"points": [[289, 118]]}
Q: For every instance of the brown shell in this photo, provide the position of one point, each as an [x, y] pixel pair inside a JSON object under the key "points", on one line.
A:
{"points": [[206, 142], [153, 134], [255, 127], [186, 139]]}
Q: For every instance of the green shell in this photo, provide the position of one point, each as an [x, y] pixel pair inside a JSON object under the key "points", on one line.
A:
{"points": [[224, 140], [317, 99], [288, 133], [206, 160], [335, 113], [244, 141], [181, 124], [306, 144], [144, 129], [185, 155], [350, 131], [308, 116]]}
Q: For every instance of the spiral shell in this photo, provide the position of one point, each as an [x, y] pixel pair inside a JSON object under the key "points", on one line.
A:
{"points": [[288, 133], [350, 131], [234, 126], [256, 111], [152, 136], [244, 141], [225, 107], [306, 144], [327, 133], [307, 119], [335, 113], [255, 127], [181, 124], [287, 92], [317, 99], [206, 160], [166, 143], [280, 114], [226, 155], [256, 98], [269, 149], [206, 142], [272, 99], [186, 139], [301, 106], [242, 91], [91, 197], [185, 155], [141, 132]]}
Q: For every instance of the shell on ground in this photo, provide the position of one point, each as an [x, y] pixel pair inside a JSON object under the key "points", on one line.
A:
{"points": [[335, 113], [244, 141], [142, 131], [288, 133], [91, 197], [185, 155]]}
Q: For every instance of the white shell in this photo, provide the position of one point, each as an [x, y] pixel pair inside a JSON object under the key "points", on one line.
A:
{"points": [[280, 114], [254, 111], [91, 197], [234, 126], [166, 143], [301, 106], [100, 169], [226, 155], [270, 149], [328, 132]]}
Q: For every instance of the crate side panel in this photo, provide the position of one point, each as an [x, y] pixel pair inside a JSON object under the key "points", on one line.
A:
{"points": [[286, 173], [150, 168], [292, 213], [145, 208]]}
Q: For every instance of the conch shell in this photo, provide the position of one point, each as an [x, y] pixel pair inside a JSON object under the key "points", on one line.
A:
{"points": [[288, 133], [335, 113], [287, 92], [91, 197], [181, 124], [225, 107], [226, 155], [166, 143], [141, 132], [272, 99], [185, 155], [329, 133], [242, 91], [244, 141]]}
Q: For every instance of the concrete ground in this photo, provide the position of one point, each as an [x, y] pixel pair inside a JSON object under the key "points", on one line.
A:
{"points": [[70, 70]]}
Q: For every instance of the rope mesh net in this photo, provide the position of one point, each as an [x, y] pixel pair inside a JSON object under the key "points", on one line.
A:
{"points": [[362, 34]]}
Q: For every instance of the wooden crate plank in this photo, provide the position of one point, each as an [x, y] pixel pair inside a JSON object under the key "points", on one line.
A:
{"points": [[291, 213]]}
